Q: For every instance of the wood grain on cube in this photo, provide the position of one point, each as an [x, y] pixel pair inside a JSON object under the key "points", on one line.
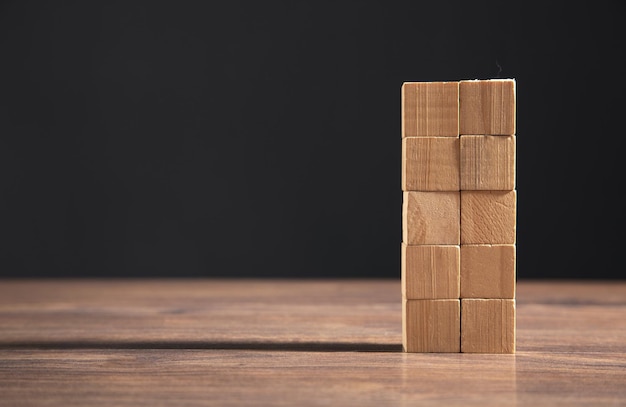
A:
{"points": [[430, 271], [430, 164], [487, 107], [488, 217], [488, 271], [431, 217], [431, 325], [487, 162], [487, 326], [430, 109]]}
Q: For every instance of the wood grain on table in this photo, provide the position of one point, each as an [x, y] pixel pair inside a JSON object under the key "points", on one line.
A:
{"points": [[298, 342]]}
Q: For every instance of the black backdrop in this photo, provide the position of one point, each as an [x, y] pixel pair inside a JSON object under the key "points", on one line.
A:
{"points": [[262, 139]]}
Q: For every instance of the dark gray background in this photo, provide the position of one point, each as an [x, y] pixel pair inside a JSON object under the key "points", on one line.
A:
{"points": [[262, 139]]}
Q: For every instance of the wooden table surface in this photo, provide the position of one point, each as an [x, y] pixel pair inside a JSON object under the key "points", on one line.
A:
{"points": [[298, 342]]}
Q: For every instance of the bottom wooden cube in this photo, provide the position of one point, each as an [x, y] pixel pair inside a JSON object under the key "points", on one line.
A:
{"points": [[431, 325], [487, 326]]}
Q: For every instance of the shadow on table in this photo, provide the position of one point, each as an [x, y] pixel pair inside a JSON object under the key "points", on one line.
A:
{"points": [[209, 345]]}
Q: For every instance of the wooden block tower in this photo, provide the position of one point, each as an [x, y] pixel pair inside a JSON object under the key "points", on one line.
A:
{"points": [[458, 216]]}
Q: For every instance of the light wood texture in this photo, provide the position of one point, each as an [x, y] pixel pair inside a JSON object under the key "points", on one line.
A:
{"points": [[430, 272], [430, 164], [487, 326], [487, 162], [430, 109], [488, 217], [431, 218], [201, 342], [488, 271], [487, 107], [431, 325]]}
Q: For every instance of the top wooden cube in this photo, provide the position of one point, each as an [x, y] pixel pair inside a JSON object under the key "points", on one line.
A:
{"points": [[430, 109], [487, 107]]}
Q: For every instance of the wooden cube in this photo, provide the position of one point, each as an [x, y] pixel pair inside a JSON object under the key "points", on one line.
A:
{"points": [[430, 164], [488, 217], [430, 109], [487, 326], [487, 162], [430, 272], [431, 325], [431, 218], [488, 271], [487, 107]]}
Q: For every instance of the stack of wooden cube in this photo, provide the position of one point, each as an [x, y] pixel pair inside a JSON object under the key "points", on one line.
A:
{"points": [[459, 216]]}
